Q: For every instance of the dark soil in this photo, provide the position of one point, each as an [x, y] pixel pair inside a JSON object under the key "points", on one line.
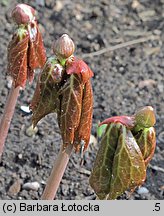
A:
{"points": [[123, 81]]}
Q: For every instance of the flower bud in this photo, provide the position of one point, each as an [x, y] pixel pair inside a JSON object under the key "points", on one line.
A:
{"points": [[64, 47], [145, 117], [23, 14]]}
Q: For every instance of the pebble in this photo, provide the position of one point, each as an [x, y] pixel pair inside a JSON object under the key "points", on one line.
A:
{"points": [[31, 186], [30, 131], [142, 190], [25, 109], [43, 182], [20, 156], [59, 6], [146, 83], [135, 4], [147, 15], [157, 32], [9, 82], [161, 88], [15, 188], [64, 189], [93, 140]]}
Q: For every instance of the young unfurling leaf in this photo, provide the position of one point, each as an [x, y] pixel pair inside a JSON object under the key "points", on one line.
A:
{"points": [[37, 55], [25, 53], [70, 95], [102, 170], [69, 113], [125, 151], [17, 57], [78, 66], [26, 50], [146, 140], [45, 99], [128, 168], [128, 121], [82, 134]]}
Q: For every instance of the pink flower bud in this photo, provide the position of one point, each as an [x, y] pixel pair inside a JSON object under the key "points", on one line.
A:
{"points": [[23, 14], [64, 47], [145, 117]]}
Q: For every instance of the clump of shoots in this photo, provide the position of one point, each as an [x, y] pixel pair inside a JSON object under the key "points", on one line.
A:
{"points": [[126, 148], [64, 87], [25, 53]]}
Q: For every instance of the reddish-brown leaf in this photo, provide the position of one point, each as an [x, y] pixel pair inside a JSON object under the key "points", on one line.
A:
{"points": [[128, 121], [75, 117], [82, 133], [78, 66], [70, 108], [37, 54], [17, 58], [45, 99]]}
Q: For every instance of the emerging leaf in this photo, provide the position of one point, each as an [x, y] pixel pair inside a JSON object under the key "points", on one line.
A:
{"points": [[146, 140], [68, 93], [119, 164], [128, 170], [26, 50], [145, 117], [17, 57], [82, 134], [37, 54], [75, 117], [125, 151], [128, 121], [70, 109], [101, 130], [78, 66], [102, 170], [45, 99]]}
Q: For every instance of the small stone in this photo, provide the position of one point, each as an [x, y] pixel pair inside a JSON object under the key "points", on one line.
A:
{"points": [[142, 190], [31, 186], [43, 182], [157, 32], [15, 188], [152, 51], [20, 156], [93, 140], [64, 189], [25, 109], [30, 131], [23, 175], [147, 15], [121, 69], [146, 83], [59, 6], [9, 82], [135, 4], [160, 88]]}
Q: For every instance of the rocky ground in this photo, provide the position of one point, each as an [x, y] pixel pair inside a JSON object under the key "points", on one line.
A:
{"points": [[124, 80]]}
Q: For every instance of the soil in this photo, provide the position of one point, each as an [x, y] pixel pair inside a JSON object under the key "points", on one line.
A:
{"points": [[124, 80]]}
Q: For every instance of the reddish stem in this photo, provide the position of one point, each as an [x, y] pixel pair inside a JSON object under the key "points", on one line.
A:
{"points": [[7, 115], [57, 173]]}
